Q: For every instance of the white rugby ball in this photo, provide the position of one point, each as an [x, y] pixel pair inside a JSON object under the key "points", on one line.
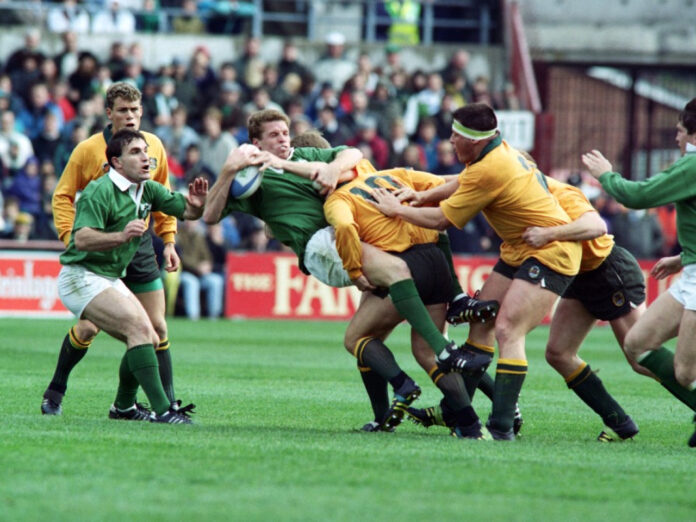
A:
{"points": [[246, 182]]}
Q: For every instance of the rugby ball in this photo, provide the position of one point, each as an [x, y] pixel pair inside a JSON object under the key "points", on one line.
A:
{"points": [[246, 182]]}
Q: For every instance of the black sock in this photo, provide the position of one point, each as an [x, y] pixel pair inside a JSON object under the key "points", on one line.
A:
{"points": [[377, 390], [486, 384], [509, 377], [71, 352], [372, 352], [591, 391], [452, 387]]}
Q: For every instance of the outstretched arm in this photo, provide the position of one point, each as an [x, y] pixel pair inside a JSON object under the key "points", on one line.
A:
{"points": [[426, 217], [236, 160], [588, 226], [195, 200]]}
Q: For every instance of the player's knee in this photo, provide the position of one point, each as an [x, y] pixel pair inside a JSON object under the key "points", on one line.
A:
{"points": [[86, 330], [685, 374], [633, 345], [554, 356], [138, 330]]}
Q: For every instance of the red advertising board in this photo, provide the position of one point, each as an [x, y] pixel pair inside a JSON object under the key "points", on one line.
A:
{"points": [[272, 286], [258, 286], [28, 284]]}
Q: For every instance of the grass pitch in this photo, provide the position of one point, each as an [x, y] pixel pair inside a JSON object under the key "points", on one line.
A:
{"points": [[278, 403]]}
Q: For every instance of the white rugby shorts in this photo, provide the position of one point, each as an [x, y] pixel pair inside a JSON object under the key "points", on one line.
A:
{"points": [[684, 288], [322, 260], [77, 286]]}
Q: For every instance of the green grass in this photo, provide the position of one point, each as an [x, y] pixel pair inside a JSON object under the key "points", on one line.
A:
{"points": [[277, 406]]}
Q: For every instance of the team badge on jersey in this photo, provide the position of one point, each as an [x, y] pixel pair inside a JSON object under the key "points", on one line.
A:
{"points": [[144, 210], [153, 163], [618, 299], [534, 271]]}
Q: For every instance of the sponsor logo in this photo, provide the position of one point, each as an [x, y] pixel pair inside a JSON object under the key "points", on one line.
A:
{"points": [[534, 271], [619, 299]]}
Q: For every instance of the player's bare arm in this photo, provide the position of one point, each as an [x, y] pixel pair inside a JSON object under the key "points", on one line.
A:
{"points": [[93, 240], [666, 266], [428, 197], [237, 159], [596, 163], [427, 217], [588, 226]]}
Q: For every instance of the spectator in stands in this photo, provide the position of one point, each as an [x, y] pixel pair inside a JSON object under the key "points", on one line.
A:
{"points": [[444, 117], [165, 101], [26, 187], [446, 160], [116, 62], [331, 128], [24, 77], [638, 231], [367, 136], [78, 133], [48, 73], [195, 167], [425, 102], [414, 157], [178, 135], [189, 21], [15, 146], [197, 272], [230, 105], [393, 61], [66, 60], [334, 67], [457, 87], [218, 248], [9, 100], [68, 17], [22, 227], [186, 90], [147, 17], [250, 64], [10, 211], [32, 43], [326, 96], [134, 73], [82, 80], [40, 104], [202, 76], [366, 72], [215, 143], [59, 95], [46, 143], [398, 141], [290, 64], [481, 91], [428, 140], [114, 19], [299, 124], [383, 105], [261, 100], [358, 110], [457, 66]]}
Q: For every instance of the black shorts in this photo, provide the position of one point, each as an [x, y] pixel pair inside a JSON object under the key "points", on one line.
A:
{"points": [[430, 272], [612, 289], [532, 271], [143, 268]]}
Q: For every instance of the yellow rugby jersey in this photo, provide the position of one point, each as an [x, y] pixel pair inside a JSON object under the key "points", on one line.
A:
{"points": [[87, 163], [512, 194], [575, 203], [355, 219]]}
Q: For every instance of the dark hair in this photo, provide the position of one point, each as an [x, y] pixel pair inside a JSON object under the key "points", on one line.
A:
{"points": [[119, 141], [476, 116], [257, 119], [687, 117]]}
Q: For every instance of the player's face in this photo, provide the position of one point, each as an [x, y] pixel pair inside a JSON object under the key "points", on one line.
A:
{"points": [[465, 149], [681, 138], [275, 138], [134, 163], [125, 115]]}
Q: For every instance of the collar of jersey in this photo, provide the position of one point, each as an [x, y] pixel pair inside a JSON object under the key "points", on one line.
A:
{"points": [[108, 132], [121, 181], [491, 145]]}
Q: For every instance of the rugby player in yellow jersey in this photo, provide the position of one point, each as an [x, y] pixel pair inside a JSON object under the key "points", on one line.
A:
{"points": [[87, 163], [513, 196], [355, 220]]}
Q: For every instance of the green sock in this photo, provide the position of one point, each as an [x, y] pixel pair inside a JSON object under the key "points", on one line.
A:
{"points": [[486, 385], [71, 352], [164, 359], [509, 377], [142, 361], [405, 297], [377, 390], [374, 353], [443, 243], [127, 386], [661, 363], [591, 391]]}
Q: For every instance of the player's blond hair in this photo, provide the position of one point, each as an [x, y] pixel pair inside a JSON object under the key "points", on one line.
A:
{"points": [[123, 90], [310, 138]]}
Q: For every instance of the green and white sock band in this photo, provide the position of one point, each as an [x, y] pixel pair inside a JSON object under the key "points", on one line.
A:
{"points": [[471, 133]]}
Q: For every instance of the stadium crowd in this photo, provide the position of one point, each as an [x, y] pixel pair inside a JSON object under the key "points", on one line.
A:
{"points": [[396, 116]]}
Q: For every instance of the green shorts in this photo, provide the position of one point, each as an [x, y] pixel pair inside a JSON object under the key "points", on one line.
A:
{"points": [[430, 272], [612, 289], [143, 273], [532, 271]]}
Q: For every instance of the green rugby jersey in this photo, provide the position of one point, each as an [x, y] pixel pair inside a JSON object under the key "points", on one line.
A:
{"points": [[287, 203], [676, 184], [108, 204]]}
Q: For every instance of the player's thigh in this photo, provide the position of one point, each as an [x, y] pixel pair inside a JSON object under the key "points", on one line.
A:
{"points": [[524, 307], [570, 325], [119, 315], [421, 350], [375, 317], [155, 306], [494, 288], [658, 324], [622, 325], [381, 268]]}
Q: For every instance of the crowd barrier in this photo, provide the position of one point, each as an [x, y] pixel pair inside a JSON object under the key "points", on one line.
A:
{"points": [[262, 286]]}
